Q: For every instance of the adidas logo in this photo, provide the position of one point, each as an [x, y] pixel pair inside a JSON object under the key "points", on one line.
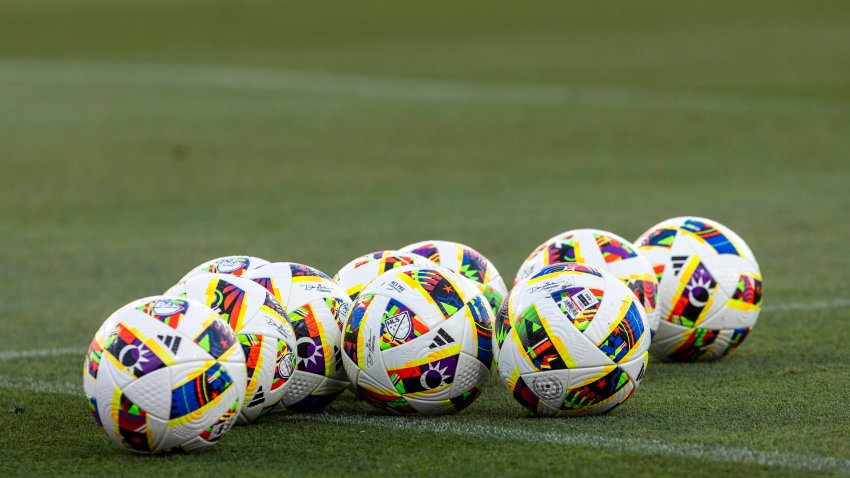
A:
{"points": [[337, 358], [171, 341], [259, 397], [678, 262], [442, 338]]}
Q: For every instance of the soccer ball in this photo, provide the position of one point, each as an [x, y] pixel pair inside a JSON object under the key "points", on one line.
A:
{"points": [[419, 340], [355, 275], [466, 262], [603, 250], [573, 341], [316, 307], [262, 328], [709, 293], [233, 265], [164, 374]]}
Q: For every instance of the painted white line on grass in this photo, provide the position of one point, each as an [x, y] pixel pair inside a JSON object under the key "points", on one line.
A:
{"points": [[822, 304], [398, 88], [56, 352], [560, 434]]}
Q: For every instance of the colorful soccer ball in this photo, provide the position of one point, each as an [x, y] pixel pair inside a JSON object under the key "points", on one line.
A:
{"points": [[709, 293], [419, 340], [316, 307], [466, 262], [355, 275], [603, 250], [262, 328], [164, 374], [573, 341], [233, 265]]}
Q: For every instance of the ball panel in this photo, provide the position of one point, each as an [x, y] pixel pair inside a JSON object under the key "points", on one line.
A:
{"points": [[537, 345], [301, 385], [479, 343], [230, 265], [502, 325], [685, 344], [152, 393], [471, 374], [132, 424], [133, 352], [573, 343], [358, 273], [390, 402], [438, 288], [400, 325], [195, 387], [431, 376], [467, 263]]}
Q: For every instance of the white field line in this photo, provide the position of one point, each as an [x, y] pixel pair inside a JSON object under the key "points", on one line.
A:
{"points": [[55, 72], [560, 434]]}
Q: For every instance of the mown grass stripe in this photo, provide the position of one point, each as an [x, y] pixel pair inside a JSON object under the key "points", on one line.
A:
{"points": [[406, 89]]}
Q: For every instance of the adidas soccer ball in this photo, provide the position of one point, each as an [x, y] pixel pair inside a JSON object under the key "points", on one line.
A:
{"points": [[233, 265], [603, 250], [573, 341], [466, 262], [262, 328], [709, 293], [419, 340], [164, 374], [316, 307], [355, 275]]}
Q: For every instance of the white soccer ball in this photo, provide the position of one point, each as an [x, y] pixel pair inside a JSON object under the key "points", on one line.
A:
{"points": [[466, 262], [164, 374], [419, 340], [603, 250], [262, 328], [573, 341], [709, 294], [316, 307], [358, 273]]}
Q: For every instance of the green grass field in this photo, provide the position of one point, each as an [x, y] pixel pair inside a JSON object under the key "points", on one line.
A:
{"points": [[139, 139]]}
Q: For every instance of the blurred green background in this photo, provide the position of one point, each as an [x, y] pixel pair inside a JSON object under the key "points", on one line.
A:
{"points": [[139, 139]]}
